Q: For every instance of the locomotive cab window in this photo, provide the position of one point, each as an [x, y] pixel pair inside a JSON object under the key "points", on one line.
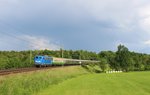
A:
{"points": [[40, 58]]}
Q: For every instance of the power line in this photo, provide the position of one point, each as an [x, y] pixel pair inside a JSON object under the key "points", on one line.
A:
{"points": [[18, 38], [16, 30]]}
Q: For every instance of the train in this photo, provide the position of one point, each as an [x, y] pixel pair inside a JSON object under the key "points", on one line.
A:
{"points": [[43, 60]]}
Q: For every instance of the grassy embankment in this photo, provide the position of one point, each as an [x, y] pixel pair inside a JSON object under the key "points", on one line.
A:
{"points": [[32, 82], [133, 83]]}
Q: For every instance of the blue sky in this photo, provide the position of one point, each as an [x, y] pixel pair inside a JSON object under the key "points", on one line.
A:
{"points": [[93, 25]]}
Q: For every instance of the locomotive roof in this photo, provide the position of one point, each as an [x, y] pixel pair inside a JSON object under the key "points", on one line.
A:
{"points": [[42, 56]]}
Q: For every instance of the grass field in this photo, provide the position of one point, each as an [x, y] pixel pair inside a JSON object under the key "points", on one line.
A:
{"points": [[133, 83], [32, 82]]}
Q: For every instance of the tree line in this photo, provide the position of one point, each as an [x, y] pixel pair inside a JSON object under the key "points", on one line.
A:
{"points": [[122, 59]]}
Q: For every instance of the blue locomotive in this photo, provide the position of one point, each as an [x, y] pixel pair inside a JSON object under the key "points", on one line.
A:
{"points": [[43, 60]]}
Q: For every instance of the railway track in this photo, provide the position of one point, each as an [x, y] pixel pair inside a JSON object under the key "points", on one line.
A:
{"points": [[21, 70]]}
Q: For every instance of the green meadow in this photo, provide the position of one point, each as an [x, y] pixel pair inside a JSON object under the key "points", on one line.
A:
{"points": [[133, 83], [32, 82]]}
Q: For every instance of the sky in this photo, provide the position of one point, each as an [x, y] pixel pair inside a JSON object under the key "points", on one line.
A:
{"points": [[93, 25]]}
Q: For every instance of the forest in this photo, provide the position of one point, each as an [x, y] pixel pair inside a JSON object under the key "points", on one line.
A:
{"points": [[122, 59]]}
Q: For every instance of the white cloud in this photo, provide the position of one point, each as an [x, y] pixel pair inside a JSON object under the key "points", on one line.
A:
{"points": [[144, 14], [26, 42], [41, 43], [147, 42]]}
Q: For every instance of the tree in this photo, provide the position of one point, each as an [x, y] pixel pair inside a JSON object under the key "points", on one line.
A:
{"points": [[123, 58]]}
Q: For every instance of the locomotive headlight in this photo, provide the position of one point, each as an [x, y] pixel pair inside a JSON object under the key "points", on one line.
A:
{"points": [[37, 61]]}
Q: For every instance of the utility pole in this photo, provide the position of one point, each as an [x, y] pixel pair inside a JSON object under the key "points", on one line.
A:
{"points": [[30, 53], [62, 55], [80, 54], [30, 56]]}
